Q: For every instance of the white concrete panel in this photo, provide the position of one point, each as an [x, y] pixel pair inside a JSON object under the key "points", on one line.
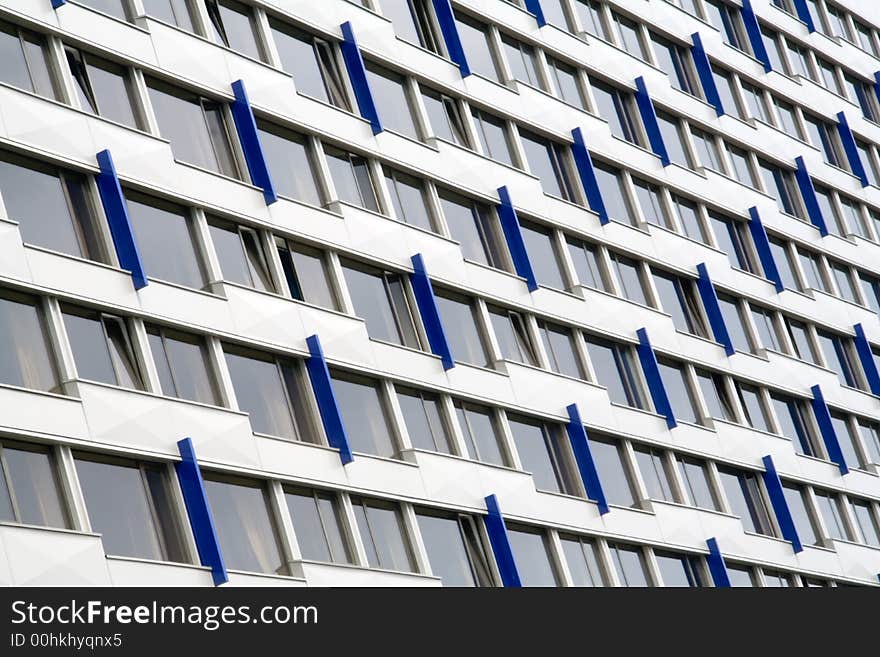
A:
{"points": [[45, 557]]}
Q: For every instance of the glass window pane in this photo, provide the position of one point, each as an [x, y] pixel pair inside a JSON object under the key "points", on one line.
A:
{"points": [[611, 187], [678, 391], [408, 198], [541, 453], [363, 412], [582, 562], [652, 466], [614, 368], [243, 524], [678, 570], [31, 473], [629, 562], [492, 132], [30, 363], [381, 529], [182, 364], [616, 483], [447, 551], [85, 330], [586, 264], [287, 156], [444, 116], [474, 38], [479, 432], [372, 292], [462, 331], [473, 226], [531, 554], [630, 278], [695, 476], [561, 352], [241, 256], [318, 526], [389, 91], [306, 274], [512, 335], [424, 420], [352, 178], [542, 255], [753, 407], [234, 26]]}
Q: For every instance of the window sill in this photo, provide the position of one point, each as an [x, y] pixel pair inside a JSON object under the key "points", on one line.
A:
{"points": [[468, 459], [197, 167], [846, 541], [413, 350], [181, 286], [690, 507], [44, 393], [109, 16], [385, 459], [366, 569], [70, 256], [250, 573], [55, 530], [412, 139], [156, 562]]}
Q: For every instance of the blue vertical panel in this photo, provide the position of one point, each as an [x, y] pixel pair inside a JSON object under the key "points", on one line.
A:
{"points": [[354, 63], [649, 120], [704, 70], [826, 428], [584, 164], [808, 194], [717, 567], [877, 85], [446, 21], [580, 447], [655, 382], [331, 418], [753, 29], [515, 243], [762, 247], [866, 356], [713, 310], [534, 7], [427, 303], [199, 511], [803, 12], [58, 3], [117, 217], [780, 506], [246, 126], [851, 150], [500, 543]]}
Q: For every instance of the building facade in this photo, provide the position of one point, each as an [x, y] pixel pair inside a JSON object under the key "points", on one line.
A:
{"points": [[423, 293]]}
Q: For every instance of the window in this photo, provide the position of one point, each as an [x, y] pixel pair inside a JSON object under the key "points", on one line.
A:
{"points": [[862, 93], [801, 342], [241, 255], [195, 126], [732, 237], [629, 562], [52, 207], [102, 347], [566, 78], [473, 225], [560, 349], [782, 258], [476, 44], [30, 364], [182, 364], [455, 551], [479, 432], [554, 13], [413, 21], [718, 402], [652, 464], [615, 368], [131, 506], [102, 87], [626, 31], [741, 165], [753, 406], [765, 326], [675, 381], [115, 8], [289, 159], [848, 439], [493, 136], [673, 140], [865, 37], [462, 329], [25, 58], [865, 522], [270, 391], [733, 320], [803, 521], [811, 264], [382, 531], [30, 492], [589, 12], [680, 570], [617, 107], [707, 149], [444, 116], [312, 61], [729, 20], [870, 291], [771, 44], [675, 61], [756, 102], [740, 576], [780, 184], [381, 299], [512, 333], [174, 12], [363, 414], [843, 277], [689, 216], [245, 528], [828, 76], [724, 85], [549, 162], [522, 61], [838, 357], [389, 91], [798, 60], [775, 579], [543, 452], [582, 561], [317, 523], [164, 237], [424, 419], [793, 419], [695, 475], [233, 25], [586, 264], [305, 272], [611, 188], [542, 255], [824, 137], [870, 432], [677, 297], [746, 499], [408, 196], [352, 178], [650, 198], [787, 118], [531, 552], [616, 482], [829, 506]]}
